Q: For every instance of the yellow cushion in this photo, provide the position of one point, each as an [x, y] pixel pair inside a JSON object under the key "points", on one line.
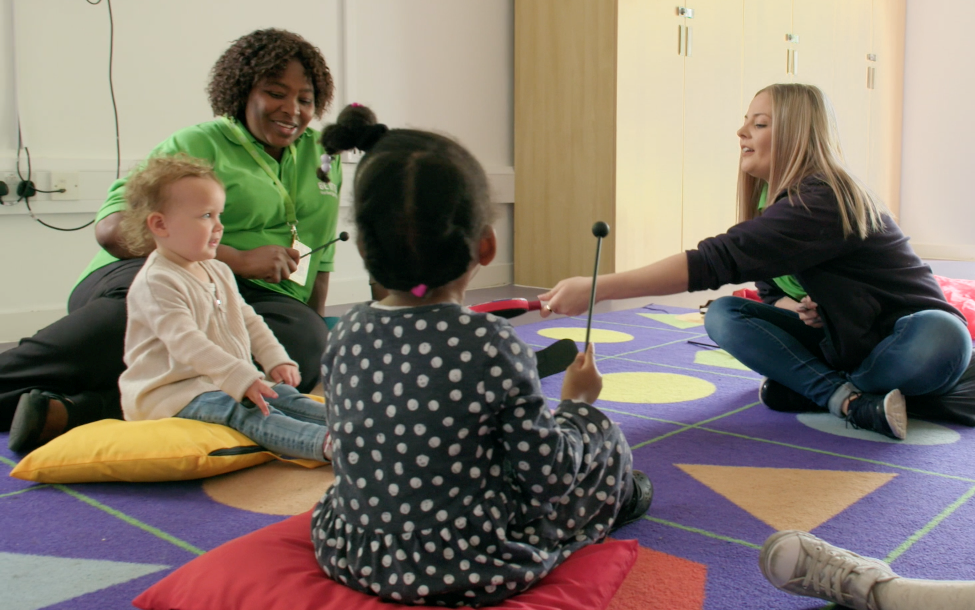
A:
{"points": [[171, 449]]}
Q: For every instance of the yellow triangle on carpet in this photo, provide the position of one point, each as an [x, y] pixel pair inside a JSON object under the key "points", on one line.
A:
{"points": [[676, 320], [789, 498], [718, 357]]}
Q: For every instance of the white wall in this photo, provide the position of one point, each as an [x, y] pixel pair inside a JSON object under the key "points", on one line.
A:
{"points": [[432, 64], [937, 198]]}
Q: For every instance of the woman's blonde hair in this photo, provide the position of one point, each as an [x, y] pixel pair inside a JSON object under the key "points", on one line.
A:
{"points": [[805, 142], [146, 192]]}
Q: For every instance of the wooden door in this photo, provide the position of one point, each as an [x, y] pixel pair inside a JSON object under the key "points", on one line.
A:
{"points": [[712, 116], [565, 128], [765, 50], [649, 132], [814, 55], [850, 96], [887, 101]]}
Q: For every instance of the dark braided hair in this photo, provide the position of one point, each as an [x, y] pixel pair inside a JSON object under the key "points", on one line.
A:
{"points": [[263, 54], [421, 200]]}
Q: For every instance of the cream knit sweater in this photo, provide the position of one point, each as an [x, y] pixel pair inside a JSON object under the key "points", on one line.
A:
{"points": [[184, 339]]}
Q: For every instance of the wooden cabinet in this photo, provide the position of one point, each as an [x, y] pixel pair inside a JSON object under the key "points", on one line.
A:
{"points": [[670, 170], [626, 111]]}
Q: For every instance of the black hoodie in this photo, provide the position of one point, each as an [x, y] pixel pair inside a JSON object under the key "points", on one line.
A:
{"points": [[861, 286]]}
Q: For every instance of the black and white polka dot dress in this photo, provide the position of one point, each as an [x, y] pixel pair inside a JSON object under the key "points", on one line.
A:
{"points": [[455, 484]]}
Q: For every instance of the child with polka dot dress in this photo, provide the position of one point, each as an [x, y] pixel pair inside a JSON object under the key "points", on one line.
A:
{"points": [[455, 484]]}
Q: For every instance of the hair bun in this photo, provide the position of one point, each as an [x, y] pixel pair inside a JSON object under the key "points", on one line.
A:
{"points": [[370, 135], [355, 127]]}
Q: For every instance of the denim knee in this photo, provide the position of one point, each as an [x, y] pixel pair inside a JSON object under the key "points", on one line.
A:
{"points": [[722, 318], [283, 389]]}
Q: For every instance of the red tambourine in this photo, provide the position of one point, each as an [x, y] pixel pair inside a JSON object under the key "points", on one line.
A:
{"points": [[507, 308]]}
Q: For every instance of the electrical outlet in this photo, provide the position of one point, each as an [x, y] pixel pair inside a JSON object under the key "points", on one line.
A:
{"points": [[70, 182], [12, 181]]}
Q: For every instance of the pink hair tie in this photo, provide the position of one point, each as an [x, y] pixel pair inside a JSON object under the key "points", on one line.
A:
{"points": [[419, 290], [355, 104]]}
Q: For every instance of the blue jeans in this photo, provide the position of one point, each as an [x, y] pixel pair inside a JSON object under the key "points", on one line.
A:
{"points": [[296, 426], [926, 353]]}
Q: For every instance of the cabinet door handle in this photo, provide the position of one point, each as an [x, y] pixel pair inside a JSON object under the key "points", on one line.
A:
{"points": [[689, 45], [795, 61], [680, 40], [788, 61]]}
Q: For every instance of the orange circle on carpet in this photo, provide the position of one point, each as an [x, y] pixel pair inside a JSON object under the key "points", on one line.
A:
{"points": [[274, 488]]}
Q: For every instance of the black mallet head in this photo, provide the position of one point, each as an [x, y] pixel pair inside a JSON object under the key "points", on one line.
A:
{"points": [[343, 236], [600, 229]]}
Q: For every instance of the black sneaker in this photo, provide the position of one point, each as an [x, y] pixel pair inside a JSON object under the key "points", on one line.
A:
{"points": [[886, 414], [29, 420], [638, 504], [777, 397]]}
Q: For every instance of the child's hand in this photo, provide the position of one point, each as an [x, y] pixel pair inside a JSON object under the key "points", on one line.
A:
{"points": [[258, 390], [286, 373], [583, 383]]}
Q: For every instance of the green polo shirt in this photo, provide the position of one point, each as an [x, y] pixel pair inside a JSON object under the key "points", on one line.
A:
{"points": [[255, 213]]}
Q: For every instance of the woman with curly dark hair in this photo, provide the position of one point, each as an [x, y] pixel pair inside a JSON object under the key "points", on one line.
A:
{"points": [[264, 91]]}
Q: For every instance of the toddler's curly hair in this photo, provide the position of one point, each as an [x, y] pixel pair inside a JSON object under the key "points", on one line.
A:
{"points": [[146, 192]]}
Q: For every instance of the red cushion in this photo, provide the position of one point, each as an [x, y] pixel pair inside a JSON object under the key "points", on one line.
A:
{"points": [[274, 568], [747, 293], [961, 294]]}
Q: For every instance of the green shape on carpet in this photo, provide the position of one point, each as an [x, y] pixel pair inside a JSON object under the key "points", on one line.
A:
{"points": [[30, 582], [670, 319], [186, 546], [718, 357], [921, 533]]}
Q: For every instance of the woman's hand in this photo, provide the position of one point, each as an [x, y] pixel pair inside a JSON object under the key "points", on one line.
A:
{"points": [[788, 303], [569, 297], [809, 312], [582, 382], [806, 309], [286, 373], [269, 263], [258, 390]]}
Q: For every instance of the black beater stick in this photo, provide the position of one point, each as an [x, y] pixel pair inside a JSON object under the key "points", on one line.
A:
{"points": [[600, 230], [343, 236]]}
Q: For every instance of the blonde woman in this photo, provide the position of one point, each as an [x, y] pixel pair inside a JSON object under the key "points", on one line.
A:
{"points": [[853, 320]]}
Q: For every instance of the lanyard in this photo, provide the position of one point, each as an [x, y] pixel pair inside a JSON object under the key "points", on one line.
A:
{"points": [[288, 197]]}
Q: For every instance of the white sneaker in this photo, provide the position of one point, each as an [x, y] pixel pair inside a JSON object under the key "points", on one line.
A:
{"points": [[802, 564]]}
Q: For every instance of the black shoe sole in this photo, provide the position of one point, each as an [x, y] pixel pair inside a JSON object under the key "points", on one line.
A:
{"points": [[555, 358], [28, 421], [643, 487], [778, 397]]}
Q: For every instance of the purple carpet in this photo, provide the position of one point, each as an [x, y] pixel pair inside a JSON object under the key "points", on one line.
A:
{"points": [[727, 473]]}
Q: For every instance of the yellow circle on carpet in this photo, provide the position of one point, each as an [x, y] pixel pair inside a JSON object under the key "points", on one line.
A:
{"points": [[654, 388], [274, 488], [597, 335]]}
